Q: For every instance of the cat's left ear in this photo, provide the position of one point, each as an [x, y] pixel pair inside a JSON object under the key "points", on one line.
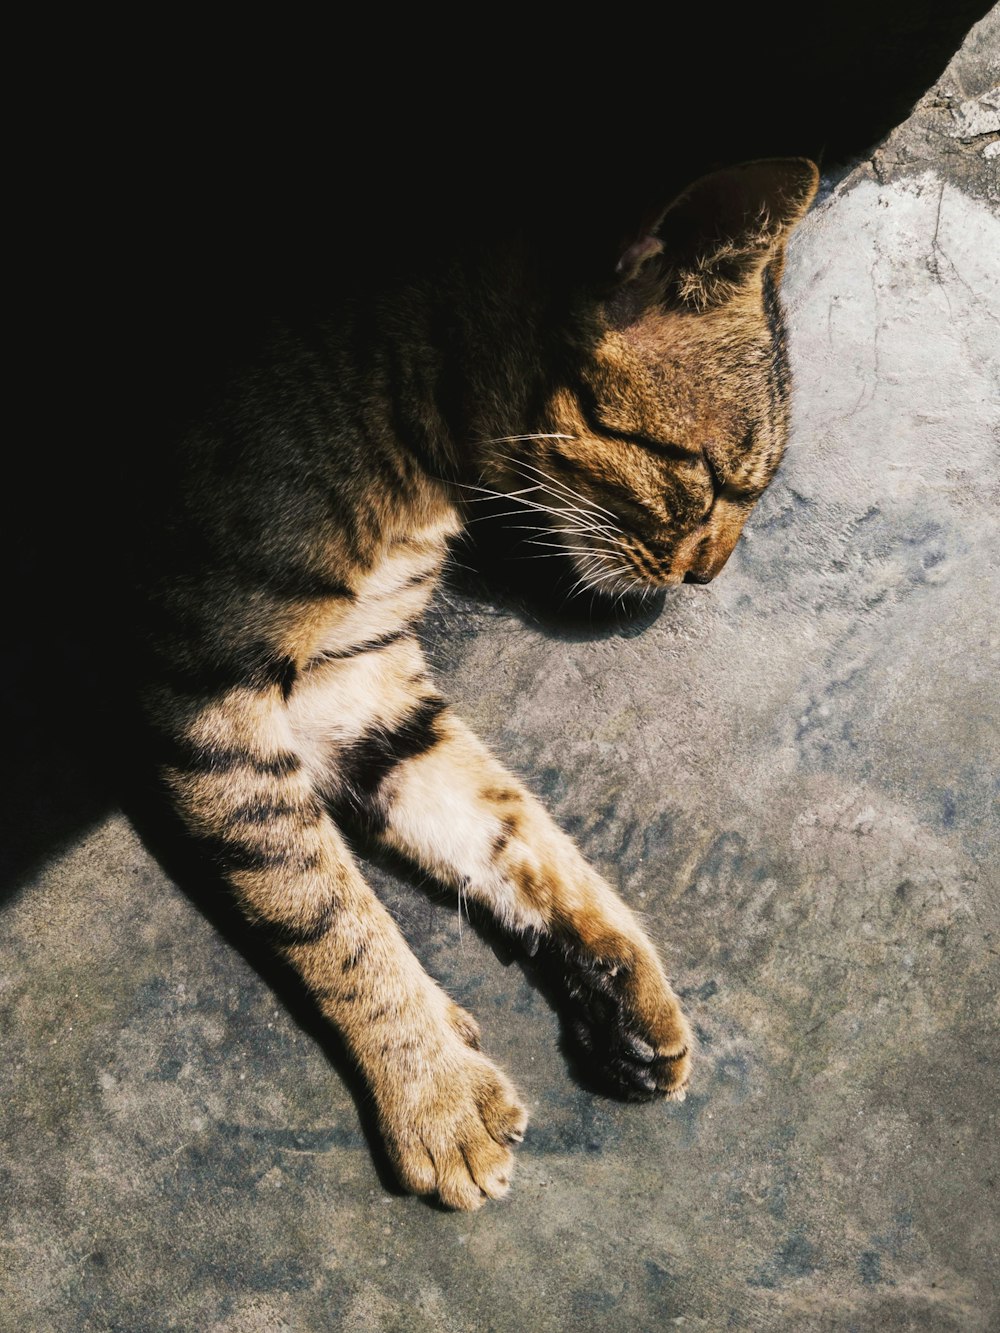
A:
{"points": [[718, 235]]}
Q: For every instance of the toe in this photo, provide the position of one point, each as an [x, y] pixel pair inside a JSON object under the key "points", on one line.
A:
{"points": [[502, 1114], [489, 1164], [455, 1184], [414, 1166]]}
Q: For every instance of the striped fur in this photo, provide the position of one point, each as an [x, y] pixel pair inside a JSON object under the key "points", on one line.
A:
{"points": [[292, 543]]}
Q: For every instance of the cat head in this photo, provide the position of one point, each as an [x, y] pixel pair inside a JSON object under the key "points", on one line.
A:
{"points": [[671, 414]]}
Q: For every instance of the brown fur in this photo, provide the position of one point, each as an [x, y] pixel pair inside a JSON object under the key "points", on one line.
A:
{"points": [[293, 541]]}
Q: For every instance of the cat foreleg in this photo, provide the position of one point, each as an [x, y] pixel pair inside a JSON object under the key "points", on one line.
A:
{"points": [[242, 784], [448, 804]]}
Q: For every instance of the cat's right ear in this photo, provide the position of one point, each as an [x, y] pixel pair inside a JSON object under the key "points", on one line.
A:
{"points": [[724, 229], [718, 235]]}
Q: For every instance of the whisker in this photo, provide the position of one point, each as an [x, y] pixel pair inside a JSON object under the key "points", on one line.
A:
{"points": [[593, 555], [609, 574], [543, 508], [564, 510], [576, 550], [458, 565], [491, 494], [571, 530], [568, 490], [512, 513], [590, 510], [514, 439], [565, 494]]}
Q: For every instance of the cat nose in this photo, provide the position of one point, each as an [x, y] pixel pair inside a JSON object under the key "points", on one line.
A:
{"points": [[692, 577]]}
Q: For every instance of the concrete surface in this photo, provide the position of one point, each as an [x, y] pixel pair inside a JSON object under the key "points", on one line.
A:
{"points": [[791, 773]]}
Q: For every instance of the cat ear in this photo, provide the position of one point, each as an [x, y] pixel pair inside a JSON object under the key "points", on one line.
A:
{"points": [[718, 235], [721, 232], [640, 252]]}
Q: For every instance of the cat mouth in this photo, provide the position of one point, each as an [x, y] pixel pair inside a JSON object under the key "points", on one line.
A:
{"points": [[631, 566], [627, 564], [607, 554]]}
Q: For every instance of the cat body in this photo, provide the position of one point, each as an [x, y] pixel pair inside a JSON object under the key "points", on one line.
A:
{"points": [[291, 542]]}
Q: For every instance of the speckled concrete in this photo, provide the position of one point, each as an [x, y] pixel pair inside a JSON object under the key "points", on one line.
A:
{"points": [[791, 773]]}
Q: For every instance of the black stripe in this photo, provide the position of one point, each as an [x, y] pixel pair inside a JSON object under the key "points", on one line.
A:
{"points": [[772, 313], [358, 648], [263, 812], [499, 845], [232, 855], [782, 369], [255, 666], [366, 763], [644, 561], [394, 467], [289, 674], [725, 490], [286, 935], [183, 753], [772, 306], [354, 958]]}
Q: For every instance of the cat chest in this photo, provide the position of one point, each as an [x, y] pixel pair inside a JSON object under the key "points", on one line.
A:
{"points": [[388, 599]]}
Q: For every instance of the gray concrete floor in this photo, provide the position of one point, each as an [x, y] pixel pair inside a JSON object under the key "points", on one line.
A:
{"points": [[791, 774]]}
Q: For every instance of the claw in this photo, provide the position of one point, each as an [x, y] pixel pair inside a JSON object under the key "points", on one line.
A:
{"points": [[638, 1048]]}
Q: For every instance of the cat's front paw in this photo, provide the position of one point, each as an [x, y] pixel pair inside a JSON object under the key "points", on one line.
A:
{"points": [[628, 1025], [449, 1121]]}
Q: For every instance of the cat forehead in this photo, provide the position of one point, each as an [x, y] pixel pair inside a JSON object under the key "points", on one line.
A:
{"points": [[668, 357], [657, 335]]}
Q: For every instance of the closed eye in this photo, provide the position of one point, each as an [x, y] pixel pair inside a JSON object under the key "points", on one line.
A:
{"points": [[663, 448], [727, 490]]}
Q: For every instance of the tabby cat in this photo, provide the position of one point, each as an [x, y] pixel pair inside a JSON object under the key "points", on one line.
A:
{"points": [[294, 539]]}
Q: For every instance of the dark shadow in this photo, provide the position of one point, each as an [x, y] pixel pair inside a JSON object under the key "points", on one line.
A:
{"points": [[60, 782], [167, 250], [496, 563], [413, 151]]}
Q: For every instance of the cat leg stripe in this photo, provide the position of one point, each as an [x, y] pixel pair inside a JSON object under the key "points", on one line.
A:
{"points": [[263, 812], [257, 667], [354, 957], [234, 855], [190, 756], [355, 650], [365, 764], [289, 935], [459, 815]]}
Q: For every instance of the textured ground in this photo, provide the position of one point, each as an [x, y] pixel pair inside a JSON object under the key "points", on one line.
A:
{"points": [[791, 773]]}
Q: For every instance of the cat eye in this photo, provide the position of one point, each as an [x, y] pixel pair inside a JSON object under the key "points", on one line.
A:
{"points": [[718, 485], [727, 490]]}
